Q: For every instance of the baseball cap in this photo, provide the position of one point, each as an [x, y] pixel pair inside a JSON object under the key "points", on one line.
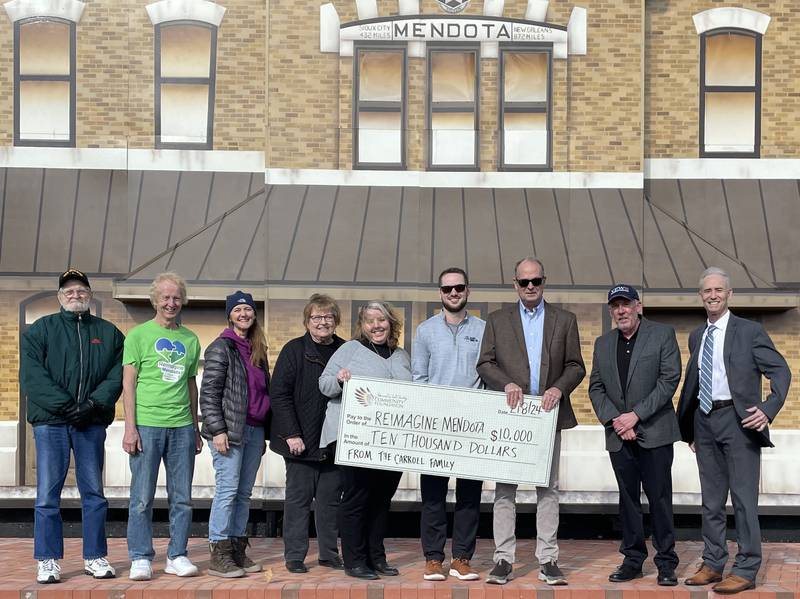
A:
{"points": [[622, 290], [73, 274]]}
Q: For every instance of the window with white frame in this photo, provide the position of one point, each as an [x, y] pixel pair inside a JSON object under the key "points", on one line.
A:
{"points": [[380, 107], [730, 93], [185, 74], [44, 82], [525, 140], [452, 119]]}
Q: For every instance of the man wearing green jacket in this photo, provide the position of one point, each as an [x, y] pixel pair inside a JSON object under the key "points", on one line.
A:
{"points": [[71, 374]]}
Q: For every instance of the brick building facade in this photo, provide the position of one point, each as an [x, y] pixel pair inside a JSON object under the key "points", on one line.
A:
{"points": [[221, 140]]}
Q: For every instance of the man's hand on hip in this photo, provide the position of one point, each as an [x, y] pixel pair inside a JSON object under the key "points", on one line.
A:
{"points": [[757, 420]]}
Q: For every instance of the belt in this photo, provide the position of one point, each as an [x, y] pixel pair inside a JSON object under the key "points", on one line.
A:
{"points": [[721, 403]]}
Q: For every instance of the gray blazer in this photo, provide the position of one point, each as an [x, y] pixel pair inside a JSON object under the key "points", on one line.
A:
{"points": [[653, 377], [503, 358], [748, 354]]}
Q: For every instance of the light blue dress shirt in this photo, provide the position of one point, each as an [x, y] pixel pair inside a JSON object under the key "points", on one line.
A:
{"points": [[533, 329]]}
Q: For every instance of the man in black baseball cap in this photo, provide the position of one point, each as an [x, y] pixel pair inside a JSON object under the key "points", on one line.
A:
{"points": [[635, 372], [622, 290], [73, 274], [71, 374]]}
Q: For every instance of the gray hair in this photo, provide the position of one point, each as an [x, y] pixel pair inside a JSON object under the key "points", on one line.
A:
{"points": [[714, 270], [172, 278], [533, 259]]}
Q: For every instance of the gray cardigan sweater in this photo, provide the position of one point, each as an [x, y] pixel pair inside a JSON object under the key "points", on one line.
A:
{"points": [[360, 361]]}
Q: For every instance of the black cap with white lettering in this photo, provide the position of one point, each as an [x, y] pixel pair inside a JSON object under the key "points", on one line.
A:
{"points": [[620, 290]]}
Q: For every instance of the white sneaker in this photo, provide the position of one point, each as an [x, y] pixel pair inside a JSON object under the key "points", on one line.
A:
{"points": [[49, 571], [181, 566], [141, 570], [99, 568]]}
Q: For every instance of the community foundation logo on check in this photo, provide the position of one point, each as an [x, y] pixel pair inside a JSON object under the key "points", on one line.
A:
{"points": [[366, 398]]}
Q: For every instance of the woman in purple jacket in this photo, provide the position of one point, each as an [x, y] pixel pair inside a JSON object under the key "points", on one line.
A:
{"points": [[235, 405]]}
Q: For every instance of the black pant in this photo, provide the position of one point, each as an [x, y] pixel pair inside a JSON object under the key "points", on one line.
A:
{"points": [[366, 499], [307, 480], [433, 522], [636, 467]]}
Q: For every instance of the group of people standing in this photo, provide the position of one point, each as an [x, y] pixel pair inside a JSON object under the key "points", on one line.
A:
{"points": [[74, 365]]}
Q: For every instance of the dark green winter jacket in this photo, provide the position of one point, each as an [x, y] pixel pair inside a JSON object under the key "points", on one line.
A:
{"points": [[66, 358]]}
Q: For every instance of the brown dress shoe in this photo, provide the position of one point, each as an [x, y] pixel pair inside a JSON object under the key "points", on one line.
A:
{"points": [[733, 584], [704, 575]]}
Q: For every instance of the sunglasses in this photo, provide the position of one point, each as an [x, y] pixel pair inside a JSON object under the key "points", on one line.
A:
{"points": [[446, 289], [536, 282]]}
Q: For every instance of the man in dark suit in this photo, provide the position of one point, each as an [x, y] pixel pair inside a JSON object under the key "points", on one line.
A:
{"points": [[724, 420], [531, 347], [635, 372]]}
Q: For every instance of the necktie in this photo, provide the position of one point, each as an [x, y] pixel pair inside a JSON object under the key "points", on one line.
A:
{"points": [[706, 371]]}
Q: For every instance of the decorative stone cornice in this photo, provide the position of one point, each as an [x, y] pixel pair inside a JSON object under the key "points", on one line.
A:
{"points": [[70, 10], [731, 17], [185, 10]]}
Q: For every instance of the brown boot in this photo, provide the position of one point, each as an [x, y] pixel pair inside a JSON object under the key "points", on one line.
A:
{"points": [[704, 575], [240, 545], [733, 584], [222, 563]]}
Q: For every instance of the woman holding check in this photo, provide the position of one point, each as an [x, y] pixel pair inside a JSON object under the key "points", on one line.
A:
{"points": [[367, 492]]}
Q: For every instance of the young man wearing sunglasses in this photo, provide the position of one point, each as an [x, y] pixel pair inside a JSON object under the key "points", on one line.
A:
{"points": [[444, 352], [532, 348]]}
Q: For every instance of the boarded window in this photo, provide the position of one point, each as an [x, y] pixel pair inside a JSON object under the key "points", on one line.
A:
{"points": [[730, 94], [525, 108], [380, 107], [452, 108], [185, 75], [44, 69]]}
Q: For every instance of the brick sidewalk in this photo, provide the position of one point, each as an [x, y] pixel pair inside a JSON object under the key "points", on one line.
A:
{"points": [[587, 565]]}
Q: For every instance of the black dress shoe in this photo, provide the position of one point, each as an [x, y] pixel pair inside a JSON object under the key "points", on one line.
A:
{"points": [[667, 578], [386, 569], [296, 566], [361, 572], [624, 573], [335, 562]]}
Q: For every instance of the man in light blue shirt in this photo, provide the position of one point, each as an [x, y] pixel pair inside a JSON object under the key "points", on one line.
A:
{"points": [[445, 352], [531, 348], [533, 329]]}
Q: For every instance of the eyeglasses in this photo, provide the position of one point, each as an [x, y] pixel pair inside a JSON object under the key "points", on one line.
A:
{"points": [[536, 282], [446, 289], [318, 318], [75, 292]]}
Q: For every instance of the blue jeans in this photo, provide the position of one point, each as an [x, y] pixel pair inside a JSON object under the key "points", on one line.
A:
{"points": [[53, 445], [235, 474], [176, 446]]}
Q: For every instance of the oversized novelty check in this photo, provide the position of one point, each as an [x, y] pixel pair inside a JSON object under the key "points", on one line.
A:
{"points": [[445, 431]]}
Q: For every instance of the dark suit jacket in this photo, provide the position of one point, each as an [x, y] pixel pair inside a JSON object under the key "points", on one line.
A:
{"points": [[653, 377], [748, 353], [504, 357]]}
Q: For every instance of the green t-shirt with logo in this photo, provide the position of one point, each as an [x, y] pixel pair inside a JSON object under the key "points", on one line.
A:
{"points": [[164, 359]]}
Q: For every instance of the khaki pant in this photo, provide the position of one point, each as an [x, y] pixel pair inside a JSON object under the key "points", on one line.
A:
{"points": [[505, 516]]}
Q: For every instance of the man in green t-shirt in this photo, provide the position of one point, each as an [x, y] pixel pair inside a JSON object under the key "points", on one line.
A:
{"points": [[159, 394]]}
